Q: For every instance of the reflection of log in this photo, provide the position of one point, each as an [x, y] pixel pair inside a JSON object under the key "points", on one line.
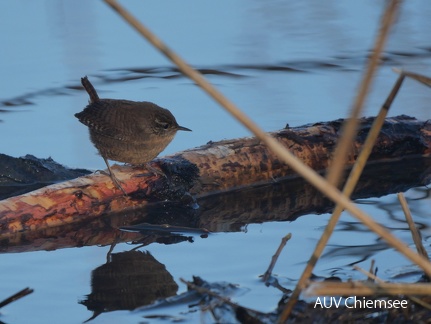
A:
{"points": [[223, 166], [284, 200], [291, 199]]}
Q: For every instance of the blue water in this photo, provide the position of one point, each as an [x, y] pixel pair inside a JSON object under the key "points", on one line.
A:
{"points": [[47, 46]]}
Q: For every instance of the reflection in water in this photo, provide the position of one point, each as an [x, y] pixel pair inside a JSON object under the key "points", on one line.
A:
{"points": [[211, 298], [297, 62], [79, 46], [129, 280], [345, 63], [358, 252], [387, 212]]}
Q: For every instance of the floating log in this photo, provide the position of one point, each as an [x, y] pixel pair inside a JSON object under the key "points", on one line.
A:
{"points": [[230, 211], [213, 168], [28, 173]]}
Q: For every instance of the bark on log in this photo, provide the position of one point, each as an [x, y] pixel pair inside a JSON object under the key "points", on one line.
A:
{"points": [[222, 166], [225, 212], [243, 162], [28, 173]]}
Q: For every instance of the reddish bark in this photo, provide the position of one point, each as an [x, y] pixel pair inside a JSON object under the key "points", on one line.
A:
{"points": [[222, 166]]}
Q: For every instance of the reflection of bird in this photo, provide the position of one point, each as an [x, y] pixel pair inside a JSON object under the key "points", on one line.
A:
{"points": [[127, 131]]}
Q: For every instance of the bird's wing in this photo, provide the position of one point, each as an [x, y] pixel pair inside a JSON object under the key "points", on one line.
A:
{"points": [[101, 119]]}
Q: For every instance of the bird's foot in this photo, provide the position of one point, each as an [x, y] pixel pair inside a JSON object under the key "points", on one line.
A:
{"points": [[114, 179], [152, 171]]}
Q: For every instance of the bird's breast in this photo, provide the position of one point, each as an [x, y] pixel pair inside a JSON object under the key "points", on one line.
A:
{"points": [[136, 150]]}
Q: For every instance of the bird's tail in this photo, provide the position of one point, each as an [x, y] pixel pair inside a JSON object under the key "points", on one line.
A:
{"points": [[90, 89]]}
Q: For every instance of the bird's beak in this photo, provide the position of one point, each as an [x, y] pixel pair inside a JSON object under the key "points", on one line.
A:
{"points": [[183, 128]]}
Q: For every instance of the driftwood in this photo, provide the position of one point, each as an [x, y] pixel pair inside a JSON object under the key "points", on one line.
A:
{"points": [[224, 212], [28, 173], [222, 166]]}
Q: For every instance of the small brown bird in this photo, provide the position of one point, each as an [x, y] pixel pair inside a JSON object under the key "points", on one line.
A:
{"points": [[127, 131]]}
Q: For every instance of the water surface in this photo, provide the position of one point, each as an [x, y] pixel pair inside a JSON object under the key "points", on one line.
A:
{"points": [[280, 62]]}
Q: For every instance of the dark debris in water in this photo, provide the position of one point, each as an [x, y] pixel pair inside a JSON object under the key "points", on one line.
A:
{"points": [[214, 297], [180, 176], [24, 174]]}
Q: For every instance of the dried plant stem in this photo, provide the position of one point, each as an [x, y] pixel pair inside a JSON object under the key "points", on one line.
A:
{"points": [[275, 257], [366, 288], [371, 269], [369, 274], [418, 77], [378, 280], [413, 229], [420, 302], [206, 291], [306, 172], [347, 190], [349, 129], [18, 295]]}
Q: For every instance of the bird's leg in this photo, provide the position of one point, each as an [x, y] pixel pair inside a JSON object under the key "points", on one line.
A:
{"points": [[150, 168], [113, 177], [155, 170]]}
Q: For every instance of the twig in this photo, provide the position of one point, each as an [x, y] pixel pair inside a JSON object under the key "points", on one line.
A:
{"points": [[347, 190], [378, 280], [365, 288], [275, 257], [286, 156], [18, 295], [371, 269], [350, 127], [369, 274], [413, 229], [415, 76], [206, 291]]}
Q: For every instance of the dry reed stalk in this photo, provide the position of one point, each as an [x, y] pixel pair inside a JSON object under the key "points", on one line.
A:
{"points": [[365, 288], [307, 173], [371, 269], [14, 297], [349, 129], [275, 257], [226, 300], [378, 280], [369, 274], [413, 229], [415, 76], [347, 190]]}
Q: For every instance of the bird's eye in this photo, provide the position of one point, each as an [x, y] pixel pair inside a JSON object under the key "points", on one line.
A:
{"points": [[162, 124]]}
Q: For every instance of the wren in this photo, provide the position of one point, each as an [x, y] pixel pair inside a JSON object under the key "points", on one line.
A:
{"points": [[127, 131]]}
